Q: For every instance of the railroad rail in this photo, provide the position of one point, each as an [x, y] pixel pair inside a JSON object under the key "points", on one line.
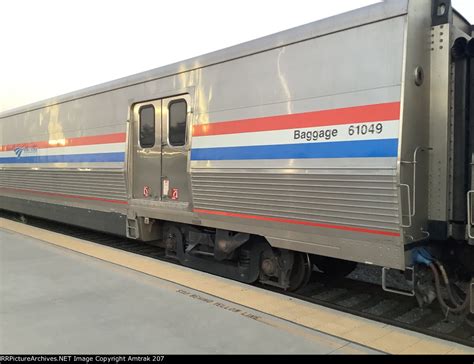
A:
{"points": [[354, 294]]}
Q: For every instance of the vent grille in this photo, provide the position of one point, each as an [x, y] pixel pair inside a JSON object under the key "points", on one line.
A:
{"points": [[366, 201], [101, 184]]}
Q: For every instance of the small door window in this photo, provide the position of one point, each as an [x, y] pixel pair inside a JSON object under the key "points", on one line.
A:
{"points": [[178, 111], [147, 126]]}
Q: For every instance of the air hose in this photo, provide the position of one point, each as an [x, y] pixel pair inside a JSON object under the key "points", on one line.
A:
{"points": [[422, 256], [455, 299], [459, 308]]}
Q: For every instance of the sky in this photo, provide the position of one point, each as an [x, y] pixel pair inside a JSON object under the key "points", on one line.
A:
{"points": [[51, 47]]}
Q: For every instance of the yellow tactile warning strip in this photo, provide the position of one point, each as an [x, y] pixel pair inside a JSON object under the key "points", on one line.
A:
{"points": [[348, 327]]}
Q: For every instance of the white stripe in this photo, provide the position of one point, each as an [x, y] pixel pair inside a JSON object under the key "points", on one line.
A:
{"points": [[81, 149], [390, 130]]}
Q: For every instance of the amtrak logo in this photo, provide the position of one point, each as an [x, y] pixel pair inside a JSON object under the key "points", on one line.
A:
{"points": [[20, 151]]}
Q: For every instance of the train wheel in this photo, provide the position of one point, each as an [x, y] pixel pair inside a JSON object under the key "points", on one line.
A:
{"points": [[301, 271]]}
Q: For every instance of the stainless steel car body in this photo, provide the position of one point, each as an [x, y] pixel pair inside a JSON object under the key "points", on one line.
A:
{"points": [[321, 138]]}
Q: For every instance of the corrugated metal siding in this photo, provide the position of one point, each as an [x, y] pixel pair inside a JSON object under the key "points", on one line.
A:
{"points": [[101, 184], [355, 199]]}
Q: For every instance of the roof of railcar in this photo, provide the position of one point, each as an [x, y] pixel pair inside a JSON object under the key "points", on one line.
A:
{"points": [[351, 19]]}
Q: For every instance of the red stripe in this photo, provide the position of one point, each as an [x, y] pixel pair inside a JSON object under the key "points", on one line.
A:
{"points": [[358, 114], [88, 198], [69, 142], [297, 222]]}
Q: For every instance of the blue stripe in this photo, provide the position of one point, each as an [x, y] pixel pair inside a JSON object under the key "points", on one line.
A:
{"points": [[353, 149], [72, 158]]}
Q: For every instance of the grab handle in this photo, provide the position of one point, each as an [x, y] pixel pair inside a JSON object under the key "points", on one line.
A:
{"points": [[410, 215], [470, 223]]}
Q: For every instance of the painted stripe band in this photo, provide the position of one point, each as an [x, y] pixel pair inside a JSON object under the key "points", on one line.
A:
{"points": [[70, 158], [338, 133], [54, 194], [68, 142], [355, 149], [358, 114], [297, 222]]}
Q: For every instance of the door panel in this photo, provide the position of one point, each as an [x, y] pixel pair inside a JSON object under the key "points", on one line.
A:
{"points": [[147, 136], [176, 128]]}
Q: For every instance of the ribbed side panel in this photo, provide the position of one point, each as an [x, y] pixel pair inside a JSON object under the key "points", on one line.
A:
{"points": [[359, 200], [100, 184]]}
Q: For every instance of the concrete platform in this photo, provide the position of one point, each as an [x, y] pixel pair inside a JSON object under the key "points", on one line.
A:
{"points": [[54, 300]]}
